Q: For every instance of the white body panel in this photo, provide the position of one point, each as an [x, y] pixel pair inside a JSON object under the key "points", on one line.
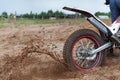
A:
{"points": [[114, 28]]}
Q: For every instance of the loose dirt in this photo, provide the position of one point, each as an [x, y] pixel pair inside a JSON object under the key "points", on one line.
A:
{"points": [[35, 53]]}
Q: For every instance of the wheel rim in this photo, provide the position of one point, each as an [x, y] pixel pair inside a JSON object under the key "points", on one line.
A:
{"points": [[81, 59]]}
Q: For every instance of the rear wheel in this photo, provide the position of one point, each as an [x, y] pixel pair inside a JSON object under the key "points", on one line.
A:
{"points": [[77, 47]]}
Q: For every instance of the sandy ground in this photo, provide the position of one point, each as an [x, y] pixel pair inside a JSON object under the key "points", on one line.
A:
{"points": [[35, 53]]}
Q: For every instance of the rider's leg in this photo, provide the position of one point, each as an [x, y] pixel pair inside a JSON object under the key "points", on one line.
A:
{"points": [[115, 13], [114, 9]]}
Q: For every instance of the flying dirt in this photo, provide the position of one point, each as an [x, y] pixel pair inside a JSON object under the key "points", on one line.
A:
{"points": [[35, 52]]}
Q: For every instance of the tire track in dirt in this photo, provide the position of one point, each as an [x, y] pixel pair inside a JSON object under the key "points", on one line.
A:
{"points": [[37, 55]]}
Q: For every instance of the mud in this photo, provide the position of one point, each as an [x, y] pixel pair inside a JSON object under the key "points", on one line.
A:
{"points": [[35, 53]]}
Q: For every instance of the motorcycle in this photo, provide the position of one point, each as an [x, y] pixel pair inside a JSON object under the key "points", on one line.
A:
{"points": [[85, 49]]}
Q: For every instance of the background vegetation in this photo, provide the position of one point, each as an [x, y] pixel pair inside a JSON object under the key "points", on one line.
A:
{"points": [[47, 15]]}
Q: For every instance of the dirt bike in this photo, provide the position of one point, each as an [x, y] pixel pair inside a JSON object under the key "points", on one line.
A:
{"points": [[85, 49]]}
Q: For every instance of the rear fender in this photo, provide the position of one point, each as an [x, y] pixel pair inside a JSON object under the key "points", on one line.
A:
{"points": [[93, 20]]}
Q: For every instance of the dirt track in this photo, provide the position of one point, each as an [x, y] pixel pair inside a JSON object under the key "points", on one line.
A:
{"points": [[35, 53]]}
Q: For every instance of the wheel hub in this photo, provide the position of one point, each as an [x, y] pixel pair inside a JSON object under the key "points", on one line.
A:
{"points": [[84, 53]]}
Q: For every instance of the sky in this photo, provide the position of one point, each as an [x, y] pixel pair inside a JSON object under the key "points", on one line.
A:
{"points": [[37, 6]]}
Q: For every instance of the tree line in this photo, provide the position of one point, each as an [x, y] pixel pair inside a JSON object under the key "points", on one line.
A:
{"points": [[31, 15], [47, 15], [102, 14]]}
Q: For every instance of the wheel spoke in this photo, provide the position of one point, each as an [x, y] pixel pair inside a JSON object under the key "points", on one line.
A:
{"points": [[82, 44], [83, 62], [78, 61], [80, 53], [88, 44]]}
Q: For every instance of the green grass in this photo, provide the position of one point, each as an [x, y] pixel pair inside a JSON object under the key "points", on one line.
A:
{"points": [[19, 22]]}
